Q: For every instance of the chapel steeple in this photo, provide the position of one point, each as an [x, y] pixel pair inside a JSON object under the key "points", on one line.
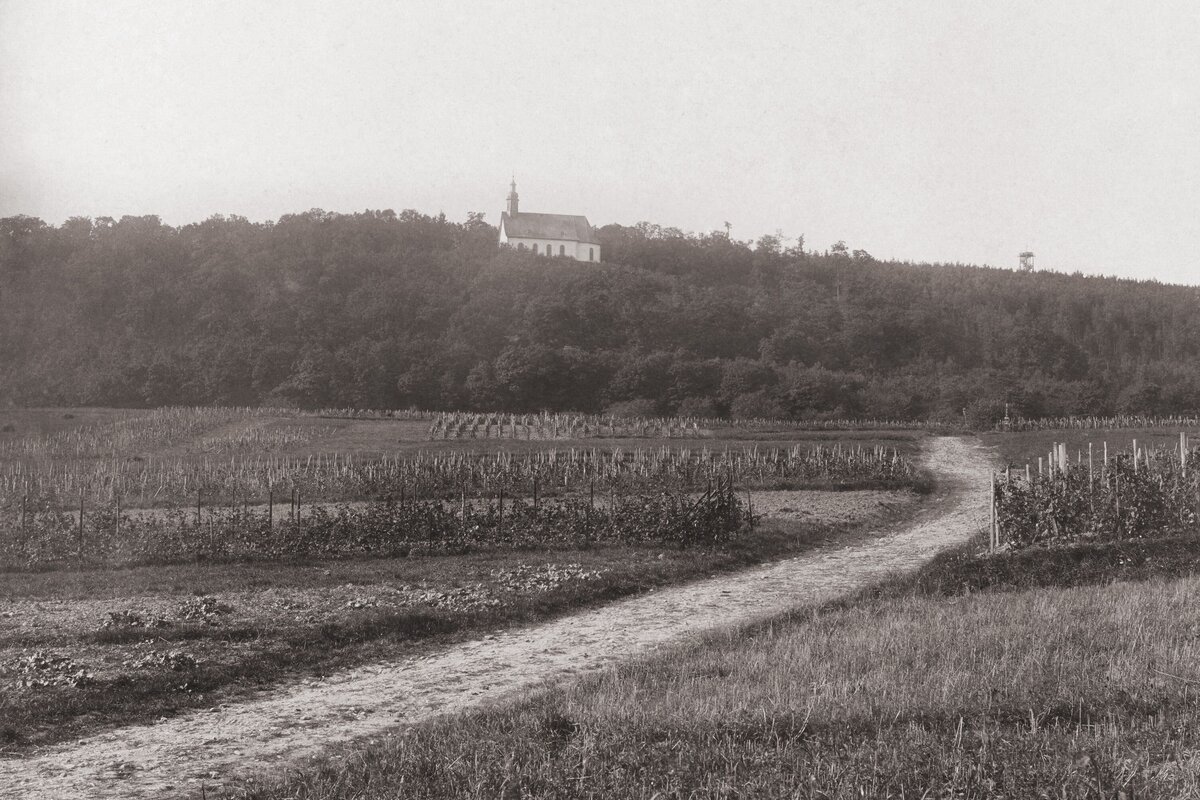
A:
{"points": [[512, 199]]}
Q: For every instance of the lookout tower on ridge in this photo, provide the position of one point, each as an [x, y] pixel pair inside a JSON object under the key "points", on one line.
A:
{"points": [[1026, 257], [565, 235]]}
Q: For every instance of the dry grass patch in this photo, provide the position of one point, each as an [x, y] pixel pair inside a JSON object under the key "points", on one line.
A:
{"points": [[1082, 692]]}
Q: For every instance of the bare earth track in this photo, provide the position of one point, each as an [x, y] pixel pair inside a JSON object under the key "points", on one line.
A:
{"points": [[173, 757]]}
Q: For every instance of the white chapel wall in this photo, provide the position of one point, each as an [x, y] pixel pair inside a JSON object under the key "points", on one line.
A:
{"points": [[576, 250]]}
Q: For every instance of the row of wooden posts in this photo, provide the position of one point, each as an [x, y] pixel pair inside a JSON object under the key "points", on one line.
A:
{"points": [[1058, 460]]}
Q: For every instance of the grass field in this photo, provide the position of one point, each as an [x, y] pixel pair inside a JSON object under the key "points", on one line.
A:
{"points": [[965, 680]]}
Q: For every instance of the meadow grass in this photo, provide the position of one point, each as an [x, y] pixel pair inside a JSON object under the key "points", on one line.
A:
{"points": [[17, 423], [927, 687]]}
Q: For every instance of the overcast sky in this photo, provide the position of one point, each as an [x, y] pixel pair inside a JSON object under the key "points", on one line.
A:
{"points": [[917, 129]]}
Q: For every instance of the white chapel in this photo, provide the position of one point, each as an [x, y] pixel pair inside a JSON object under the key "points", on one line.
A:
{"points": [[566, 235]]}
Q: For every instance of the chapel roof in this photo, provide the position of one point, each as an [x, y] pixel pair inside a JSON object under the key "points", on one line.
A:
{"points": [[568, 227]]}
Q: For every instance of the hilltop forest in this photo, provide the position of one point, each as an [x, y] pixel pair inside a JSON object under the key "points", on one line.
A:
{"points": [[379, 309]]}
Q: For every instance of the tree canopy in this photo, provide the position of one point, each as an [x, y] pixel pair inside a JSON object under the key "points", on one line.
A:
{"points": [[379, 309]]}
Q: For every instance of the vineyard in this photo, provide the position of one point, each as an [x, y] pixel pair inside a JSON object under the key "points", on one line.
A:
{"points": [[45, 537], [335, 477], [1139, 493], [180, 484]]}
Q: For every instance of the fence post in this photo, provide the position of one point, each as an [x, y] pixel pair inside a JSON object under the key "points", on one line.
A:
{"points": [[1089, 467], [270, 509], [81, 525]]}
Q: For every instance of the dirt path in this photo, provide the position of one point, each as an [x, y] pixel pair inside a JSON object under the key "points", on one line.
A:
{"points": [[173, 757]]}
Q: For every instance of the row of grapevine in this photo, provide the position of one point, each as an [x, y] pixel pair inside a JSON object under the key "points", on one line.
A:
{"points": [[262, 439], [462, 425], [47, 537], [1136, 494], [454, 425], [1116, 422], [331, 478]]}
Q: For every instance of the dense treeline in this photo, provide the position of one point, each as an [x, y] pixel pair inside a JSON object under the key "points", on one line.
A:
{"points": [[392, 310]]}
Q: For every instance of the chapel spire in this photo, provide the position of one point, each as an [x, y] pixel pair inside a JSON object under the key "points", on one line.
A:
{"points": [[512, 199]]}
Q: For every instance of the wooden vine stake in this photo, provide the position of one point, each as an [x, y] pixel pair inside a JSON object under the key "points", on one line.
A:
{"points": [[992, 530], [81, 524], [1091, 482]]}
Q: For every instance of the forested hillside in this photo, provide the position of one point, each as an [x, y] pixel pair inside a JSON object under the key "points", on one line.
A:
{"points": [[392, 310]]}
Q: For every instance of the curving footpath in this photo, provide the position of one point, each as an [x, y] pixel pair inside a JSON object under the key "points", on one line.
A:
{"points": [[174, 757]]}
